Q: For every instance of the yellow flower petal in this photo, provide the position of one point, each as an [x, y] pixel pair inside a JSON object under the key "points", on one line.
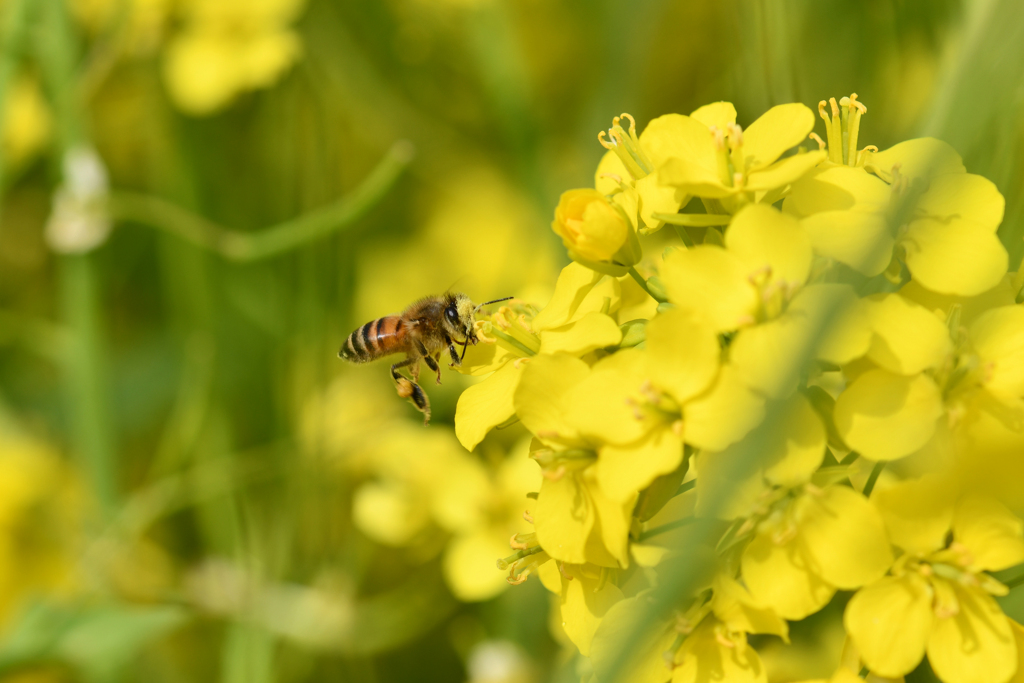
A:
{"points": [[990, 531], [598, 406], [657, 198], [740, 611], [677, 136], [578, 291], [764, 239], [767, 356], [889, 622], [885, 416], [724, 414], [712, 283], [608, 168], [593, 331], [836, 188], [954, 256], [860, 239], [777, 576], [966, 195], [539, 397], [917, 513], [917, 158], [682, 354], [565, 515], [486, 405], [799, 444], [974, 646], [718, 114], [845, 535], [847, 332], [784, 171], [469, 565], [689, 177], [387, 513], [777, 130], [645, 663], [585, 601], [622, 471], [608, 545], [998, 337], [704, 658], [908, 338]]}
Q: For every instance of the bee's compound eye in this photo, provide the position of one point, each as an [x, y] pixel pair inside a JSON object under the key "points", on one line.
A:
{"points": [[452, 314]]}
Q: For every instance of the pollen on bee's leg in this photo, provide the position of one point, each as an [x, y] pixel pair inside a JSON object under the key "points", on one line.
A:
{"points": [[405, 388]]}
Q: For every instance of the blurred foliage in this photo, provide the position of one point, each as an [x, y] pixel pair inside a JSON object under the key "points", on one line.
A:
{"points": [[192, 486]]}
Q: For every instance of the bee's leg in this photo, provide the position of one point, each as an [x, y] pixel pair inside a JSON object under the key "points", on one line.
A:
{"points": [[452, 352], [437, 366], [410, 388]]}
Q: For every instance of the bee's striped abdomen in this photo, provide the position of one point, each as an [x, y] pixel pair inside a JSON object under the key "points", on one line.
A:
{"points": [[375, 339]]}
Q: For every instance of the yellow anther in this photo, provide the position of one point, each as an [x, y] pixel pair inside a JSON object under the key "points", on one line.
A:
{"points": [[561, 570], [858, 105], [835, 107], [821, 112], [632, 122], [816, 138], [515, 544], [605, 143], [527, 517], [724, 641], [735, 136], [554, 475], [718, 136]]}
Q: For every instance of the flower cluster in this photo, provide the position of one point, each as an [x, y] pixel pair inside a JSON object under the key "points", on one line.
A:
{"points": [[819, 393]]}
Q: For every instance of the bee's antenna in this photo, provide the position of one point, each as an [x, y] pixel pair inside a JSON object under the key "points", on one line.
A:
{"points": [[488, 303]]}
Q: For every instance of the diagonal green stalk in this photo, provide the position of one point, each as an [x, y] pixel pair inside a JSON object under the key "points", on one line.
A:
{"points": [[643, 283], [278, 239]]}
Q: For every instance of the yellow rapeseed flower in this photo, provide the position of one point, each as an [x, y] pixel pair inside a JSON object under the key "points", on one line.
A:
{"points": [[227, 47], [938, 598], [732, 166]]}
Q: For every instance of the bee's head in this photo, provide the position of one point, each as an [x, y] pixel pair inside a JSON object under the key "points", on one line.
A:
{"points": [[459, 317]]}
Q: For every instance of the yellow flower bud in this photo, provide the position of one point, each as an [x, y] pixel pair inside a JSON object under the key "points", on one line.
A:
{"points": [[593, 229]]}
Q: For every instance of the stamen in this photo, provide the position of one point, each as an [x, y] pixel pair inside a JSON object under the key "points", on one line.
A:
{"points": [[516, 544], [816, 138], [561, 570], [527, 517], [554, 475]]}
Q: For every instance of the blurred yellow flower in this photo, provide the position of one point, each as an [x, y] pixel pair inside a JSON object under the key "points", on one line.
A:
{"points": [[26, 122], [40, 507], [498, 509], [227, 47], [146, 20]]}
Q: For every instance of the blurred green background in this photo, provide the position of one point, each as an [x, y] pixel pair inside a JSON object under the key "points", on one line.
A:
{"points": [[202, 198]]}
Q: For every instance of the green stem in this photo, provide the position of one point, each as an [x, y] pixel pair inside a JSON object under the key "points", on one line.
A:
{"points": [[872, 478], [86, 377], [684, 236], [85, 371], [643, 283], [669, 526], [243, 246], [684, 487], [12, 40]]}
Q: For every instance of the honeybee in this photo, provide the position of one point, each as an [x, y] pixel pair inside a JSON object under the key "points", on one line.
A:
{"points": [[422, 332]]}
